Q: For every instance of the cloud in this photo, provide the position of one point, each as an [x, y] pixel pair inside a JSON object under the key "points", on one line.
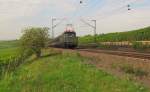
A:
{"points": [[115, 17], [16, 14], [111, 15]]}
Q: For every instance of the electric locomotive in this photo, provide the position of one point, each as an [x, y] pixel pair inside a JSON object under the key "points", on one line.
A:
{"points": [[67, 40]]}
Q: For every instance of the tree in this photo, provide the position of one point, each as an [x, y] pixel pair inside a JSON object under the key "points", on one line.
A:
{"points": [[34, 39]]}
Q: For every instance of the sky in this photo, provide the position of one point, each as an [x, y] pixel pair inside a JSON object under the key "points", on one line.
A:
{"points": [[111, 15]]}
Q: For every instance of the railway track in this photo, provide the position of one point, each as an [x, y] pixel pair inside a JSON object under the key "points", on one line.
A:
{"points": [[119, 53]]}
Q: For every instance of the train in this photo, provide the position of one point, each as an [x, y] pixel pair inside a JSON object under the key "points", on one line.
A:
{"points": [[66, 40]]}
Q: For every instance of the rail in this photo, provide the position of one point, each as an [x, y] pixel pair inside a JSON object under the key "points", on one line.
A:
{"points": [[120, 53]]}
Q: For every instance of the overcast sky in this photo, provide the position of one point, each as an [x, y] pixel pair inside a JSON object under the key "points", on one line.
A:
{"points": [[111, 15]]}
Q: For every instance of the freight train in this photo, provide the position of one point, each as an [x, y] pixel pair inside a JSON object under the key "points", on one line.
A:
{"points": [[67, 40], [126, 43]]}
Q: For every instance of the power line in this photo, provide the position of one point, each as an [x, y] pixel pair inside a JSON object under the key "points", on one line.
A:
{"points": [[127, 6], [79, 8], [55, 25], [92, 26], [82, 5]]}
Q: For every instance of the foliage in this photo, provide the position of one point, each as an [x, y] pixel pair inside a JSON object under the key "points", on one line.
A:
{"points": [[34, 39], [64, 73], [136, 35]]}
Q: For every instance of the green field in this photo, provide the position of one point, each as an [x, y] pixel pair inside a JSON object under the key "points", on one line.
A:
{"points": [[61, 72], [8, 44], [8, 48]]}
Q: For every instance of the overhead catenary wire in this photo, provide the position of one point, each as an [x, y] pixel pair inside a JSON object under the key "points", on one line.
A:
{"points": [[126, 6], [81, 6], [61, 21]]}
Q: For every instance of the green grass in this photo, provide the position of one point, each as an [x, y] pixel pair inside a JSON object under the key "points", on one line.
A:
{"points": [[64, 73], [8, 48]]}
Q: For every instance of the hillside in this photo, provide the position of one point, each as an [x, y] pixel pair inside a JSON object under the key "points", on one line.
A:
{"points": [[135, 35]]}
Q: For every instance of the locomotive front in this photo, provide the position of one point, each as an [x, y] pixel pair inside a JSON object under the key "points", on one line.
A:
{"points": [[70, 39], [67, 40]]}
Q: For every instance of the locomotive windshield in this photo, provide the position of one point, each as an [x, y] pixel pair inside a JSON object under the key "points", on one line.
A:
{"points": [[70, 35]]}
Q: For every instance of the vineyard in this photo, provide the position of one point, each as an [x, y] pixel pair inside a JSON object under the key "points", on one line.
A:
{"points": [[137, 40], [136, 35]]}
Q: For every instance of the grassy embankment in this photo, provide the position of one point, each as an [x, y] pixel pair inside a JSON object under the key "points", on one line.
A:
{"points": [[63, 72]]}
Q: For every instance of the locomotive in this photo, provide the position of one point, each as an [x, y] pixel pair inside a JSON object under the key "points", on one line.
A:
{"points": [[67, 40]]}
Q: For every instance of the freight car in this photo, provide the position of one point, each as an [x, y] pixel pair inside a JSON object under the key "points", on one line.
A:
{"points": [[125, 43], [67, 40]]}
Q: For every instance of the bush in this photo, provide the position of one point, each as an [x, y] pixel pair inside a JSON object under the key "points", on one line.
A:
{"points": [[34, 39]]}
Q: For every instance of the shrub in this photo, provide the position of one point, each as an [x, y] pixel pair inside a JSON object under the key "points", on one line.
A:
{"points": [[34, 39]]}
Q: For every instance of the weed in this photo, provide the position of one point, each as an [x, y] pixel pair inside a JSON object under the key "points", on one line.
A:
{"points": [[135, 71]]}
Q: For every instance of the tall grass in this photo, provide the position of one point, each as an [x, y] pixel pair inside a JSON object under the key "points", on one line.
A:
{"points": [[11, 56], [11, 63]]}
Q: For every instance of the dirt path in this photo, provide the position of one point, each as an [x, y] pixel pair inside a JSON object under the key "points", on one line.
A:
{"points": [[124, 67]]}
